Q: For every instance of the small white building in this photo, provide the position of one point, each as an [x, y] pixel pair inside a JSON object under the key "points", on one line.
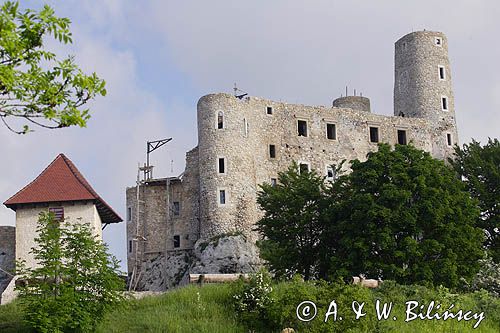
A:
{"points": [[63, 190]]}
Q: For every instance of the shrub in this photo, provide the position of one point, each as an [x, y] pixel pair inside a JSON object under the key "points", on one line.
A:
{"points": [[488, 277], [253, 297], [75, 282]]}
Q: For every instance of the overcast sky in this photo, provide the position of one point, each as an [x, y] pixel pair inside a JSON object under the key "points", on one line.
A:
{"points": [[159, 57]]}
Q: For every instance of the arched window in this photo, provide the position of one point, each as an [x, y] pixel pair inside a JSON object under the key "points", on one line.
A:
{"points": [[220, 120]]}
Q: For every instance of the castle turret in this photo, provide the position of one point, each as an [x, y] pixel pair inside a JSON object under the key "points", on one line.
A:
{"points": [[226, 163], [422, 82], [422, 86], [353, 102]]}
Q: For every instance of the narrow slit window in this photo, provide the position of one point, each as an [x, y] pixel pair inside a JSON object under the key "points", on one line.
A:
{"points": [[303, 167], [222, 197], [401, 137], [272, 151], [269, 110], [274, 181], [222, 165], [302, 127], [130, 246], [245, 127], [448, 139], [444, 103], [129, 214], [176, 208], [220, 120], [177, 241], [442, 73], [374, 134], [331, 132]]}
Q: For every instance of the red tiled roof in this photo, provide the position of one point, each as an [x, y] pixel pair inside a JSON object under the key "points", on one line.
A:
{"points": [[61, 182]]}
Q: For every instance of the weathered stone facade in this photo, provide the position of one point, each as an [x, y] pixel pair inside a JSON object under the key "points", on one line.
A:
{"points": [[245, 142], [7, 256]]}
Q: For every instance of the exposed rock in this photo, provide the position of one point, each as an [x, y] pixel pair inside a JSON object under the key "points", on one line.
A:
{"points": [[225, 254]]}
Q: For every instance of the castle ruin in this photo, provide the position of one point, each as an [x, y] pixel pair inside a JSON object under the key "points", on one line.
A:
{"points": [[243, 142]]}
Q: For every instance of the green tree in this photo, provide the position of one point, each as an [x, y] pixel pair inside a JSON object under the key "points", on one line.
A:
{"points": [[479, 167], [75, 282], [35, 86], [405, 216], [291, 224]]}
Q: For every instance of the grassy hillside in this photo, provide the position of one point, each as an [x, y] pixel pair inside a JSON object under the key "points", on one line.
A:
{"points": [[190, 309], [209, 309]]}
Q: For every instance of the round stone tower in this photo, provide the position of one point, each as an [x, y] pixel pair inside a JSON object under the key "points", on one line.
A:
{"points": [[227, 170], [353, 102], [423, 89], [422, 82]]}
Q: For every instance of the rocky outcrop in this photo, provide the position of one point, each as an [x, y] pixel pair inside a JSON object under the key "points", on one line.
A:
{"points": [[224, 254]]}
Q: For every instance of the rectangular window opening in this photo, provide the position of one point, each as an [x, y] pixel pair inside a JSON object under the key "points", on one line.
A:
{"points": [[331, 132], [130, 246], [177, 241], [222, 165], [222, 197], [401, 137], [269, 110], [442, 75], [444, 103], [303, 167], [438, 41], [374, 134], [330, 173], [176, 208], [448, 139], [129, 214], [274, 181], [302, 127], [272, 151]]}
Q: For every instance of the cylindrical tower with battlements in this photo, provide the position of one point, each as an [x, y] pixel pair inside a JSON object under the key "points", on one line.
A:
{"points": [[423, 88]]}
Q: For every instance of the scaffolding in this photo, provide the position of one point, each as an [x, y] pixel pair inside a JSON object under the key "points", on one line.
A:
{"points": [[139, 240]]}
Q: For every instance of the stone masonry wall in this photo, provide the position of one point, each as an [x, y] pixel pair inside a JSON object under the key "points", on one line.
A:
{"points": [[250, 126], [7, 255], [249, 130]]}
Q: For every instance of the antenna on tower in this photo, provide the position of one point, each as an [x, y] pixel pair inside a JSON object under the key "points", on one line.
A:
{"points": [[236, 91]]}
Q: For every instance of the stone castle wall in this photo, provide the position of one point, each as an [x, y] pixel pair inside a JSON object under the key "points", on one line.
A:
{"points": [[7, 255], [249, 126]]}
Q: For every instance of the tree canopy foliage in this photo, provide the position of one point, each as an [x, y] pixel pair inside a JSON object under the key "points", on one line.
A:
{"points": [[479, 167], [35, 86], [75, 281], [291, 223], [399, 215]]}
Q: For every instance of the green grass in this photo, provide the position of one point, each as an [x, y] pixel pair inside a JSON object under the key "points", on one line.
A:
{"points": [[11, 319], [209, 309], [190, 309]]}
